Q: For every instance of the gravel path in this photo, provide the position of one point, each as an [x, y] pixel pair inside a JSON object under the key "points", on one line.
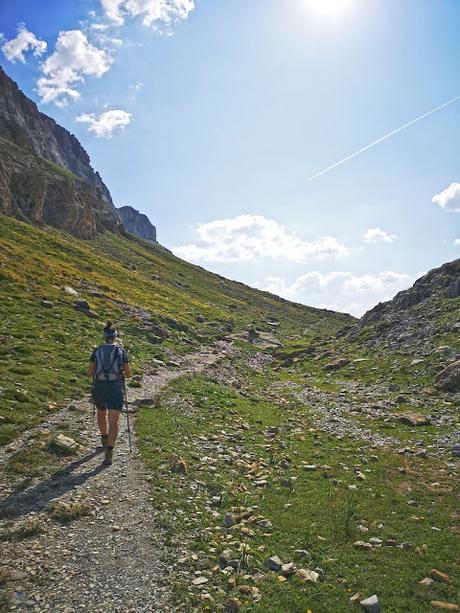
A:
{"points": [[109, 560]]}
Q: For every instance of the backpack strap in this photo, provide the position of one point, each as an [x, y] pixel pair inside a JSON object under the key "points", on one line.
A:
{"points": [[116, 355]]}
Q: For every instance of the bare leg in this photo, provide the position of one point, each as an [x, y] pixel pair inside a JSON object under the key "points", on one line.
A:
{"points": [[114, 417], [102, 421]]}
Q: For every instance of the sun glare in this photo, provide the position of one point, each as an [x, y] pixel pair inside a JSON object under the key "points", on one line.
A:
{"points": [[329, 8]]}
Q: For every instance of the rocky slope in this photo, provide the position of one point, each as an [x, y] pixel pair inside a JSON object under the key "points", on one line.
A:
{"points": [[137, 223], [442, 282], [419, 328], [45, 174]]}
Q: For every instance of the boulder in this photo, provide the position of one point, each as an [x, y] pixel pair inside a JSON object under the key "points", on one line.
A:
{"points": [[414, 419], [448, 380], [341, 363], [81, 305]]}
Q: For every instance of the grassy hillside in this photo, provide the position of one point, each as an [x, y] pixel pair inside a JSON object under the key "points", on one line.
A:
{"points": [[293, 489], [162, 305]]}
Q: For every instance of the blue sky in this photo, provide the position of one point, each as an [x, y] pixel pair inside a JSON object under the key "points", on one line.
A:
{"points": [[211, 116]]}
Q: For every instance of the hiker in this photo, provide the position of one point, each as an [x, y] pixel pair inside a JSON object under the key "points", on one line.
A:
{"points": [[252, 334], [108, 366]]}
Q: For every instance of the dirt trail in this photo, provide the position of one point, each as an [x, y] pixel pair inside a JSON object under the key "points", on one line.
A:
{"points": [[110, 560]]}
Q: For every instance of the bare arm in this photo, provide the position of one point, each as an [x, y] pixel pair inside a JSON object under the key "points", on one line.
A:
{"points": [[91, 369], [126, 370]]}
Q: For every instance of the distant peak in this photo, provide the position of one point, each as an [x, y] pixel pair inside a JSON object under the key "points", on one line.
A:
{"points": [[137, 223]]}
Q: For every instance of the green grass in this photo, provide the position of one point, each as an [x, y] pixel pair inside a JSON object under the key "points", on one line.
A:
{"points": [[309, 510], [64, 172]]}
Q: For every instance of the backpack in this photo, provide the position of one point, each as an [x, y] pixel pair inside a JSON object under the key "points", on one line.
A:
{"points": [[109, 362]]}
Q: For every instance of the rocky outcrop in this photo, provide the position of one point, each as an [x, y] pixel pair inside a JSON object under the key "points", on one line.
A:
{"points": [[45, 174], [449, 378], [421, 322], [442, 282], [137, 223]]}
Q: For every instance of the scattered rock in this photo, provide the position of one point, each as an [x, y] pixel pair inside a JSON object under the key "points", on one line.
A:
{"points": [[274, 563], [439, 576], [446, 606], [307, 575], [180, 466], [427, 581], [47, 304], [64, 444], [371, 604], [303, 554], [81, 305], [362, 545], [200, 580], [341, 363], [266, 524], [288, 569], [414, 419], [233, 605], [71, 291], [143, 402]]}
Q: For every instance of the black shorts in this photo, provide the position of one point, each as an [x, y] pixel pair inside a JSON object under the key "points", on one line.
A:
{"points": [[108, 395]]}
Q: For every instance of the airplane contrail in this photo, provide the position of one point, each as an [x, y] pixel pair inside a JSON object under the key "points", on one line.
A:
{"points": [[382, 138]]}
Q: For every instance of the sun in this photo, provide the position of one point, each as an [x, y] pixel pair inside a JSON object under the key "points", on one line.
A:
{"points": [[329, 8]]}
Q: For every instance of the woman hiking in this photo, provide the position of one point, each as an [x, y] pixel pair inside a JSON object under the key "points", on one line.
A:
{"points": [[108, 366]]}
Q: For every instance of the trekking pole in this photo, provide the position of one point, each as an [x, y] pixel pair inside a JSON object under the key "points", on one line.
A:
{"points": [[127, 414], [94, 402]]}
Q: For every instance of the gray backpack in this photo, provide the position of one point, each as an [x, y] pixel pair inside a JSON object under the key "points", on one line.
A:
{"points": [[109, 362]]}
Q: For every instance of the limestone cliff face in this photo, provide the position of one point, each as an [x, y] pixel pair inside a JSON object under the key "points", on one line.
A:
{"points": [[137, 223], [45, 174]]}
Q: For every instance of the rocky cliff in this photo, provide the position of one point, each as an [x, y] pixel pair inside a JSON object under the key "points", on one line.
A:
{"points": [[137, 223], [442, 282], [45, 174], [421, 321]]}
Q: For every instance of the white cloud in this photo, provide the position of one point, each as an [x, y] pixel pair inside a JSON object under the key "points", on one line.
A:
{"points": [[449, 199], [73, 59], [99, 27], [377, 235], [249, 237], [340, 291], [16, 48], [152, 12], [104, 125]]}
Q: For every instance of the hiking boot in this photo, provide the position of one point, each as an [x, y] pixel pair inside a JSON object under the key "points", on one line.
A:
{"points": [[108, 456]]}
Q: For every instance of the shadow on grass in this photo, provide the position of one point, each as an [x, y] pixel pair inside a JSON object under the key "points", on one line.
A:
{"points": [[23, 501]]}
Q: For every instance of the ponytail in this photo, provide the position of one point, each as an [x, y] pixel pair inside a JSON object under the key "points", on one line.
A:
{"points": [[109, 330]]}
